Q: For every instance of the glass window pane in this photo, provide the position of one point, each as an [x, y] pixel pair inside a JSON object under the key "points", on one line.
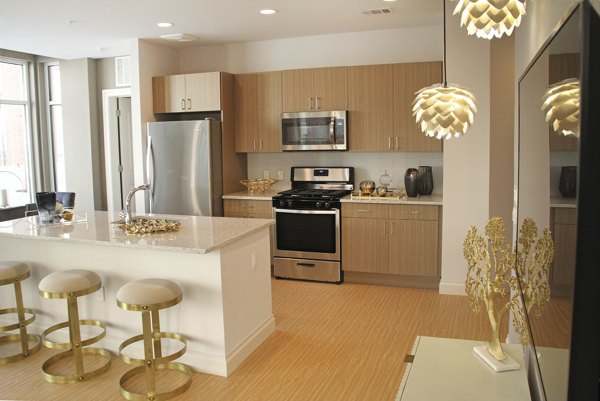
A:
{"points": [[14, 153], [54, 83], [12, 78], [58, 147]]}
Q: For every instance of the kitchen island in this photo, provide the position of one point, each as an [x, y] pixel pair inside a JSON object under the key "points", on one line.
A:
{"points": [[222, 265]]}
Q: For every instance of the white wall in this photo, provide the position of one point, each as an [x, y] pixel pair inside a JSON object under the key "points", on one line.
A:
{"points": [[80, 128], [466, 160], [358, 48]]}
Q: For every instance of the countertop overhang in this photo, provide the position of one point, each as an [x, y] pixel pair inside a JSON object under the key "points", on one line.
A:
{"points": [[198, 234]]}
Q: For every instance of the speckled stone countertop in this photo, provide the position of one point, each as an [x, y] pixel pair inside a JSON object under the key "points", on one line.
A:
{"points": [[267, 195], [435, 200], [198, 234], [563, 202]]}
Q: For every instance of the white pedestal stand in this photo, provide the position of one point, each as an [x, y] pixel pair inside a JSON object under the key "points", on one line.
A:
{"points": [[499, 366]]}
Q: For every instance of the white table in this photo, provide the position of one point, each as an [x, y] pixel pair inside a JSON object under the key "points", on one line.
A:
{"points": [[448, 369]]}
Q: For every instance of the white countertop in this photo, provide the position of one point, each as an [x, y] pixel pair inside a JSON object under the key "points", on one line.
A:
{"points": [[267, 195], [435, 200], [563, 202], [198, 234]]}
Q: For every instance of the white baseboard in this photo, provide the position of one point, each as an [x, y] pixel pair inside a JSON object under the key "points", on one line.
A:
{"points": [[246, 347], [448, 288]]}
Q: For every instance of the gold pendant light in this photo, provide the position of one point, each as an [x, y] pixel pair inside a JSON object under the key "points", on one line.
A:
{"points": [[490, 18], [561, 105], [444, 110]]}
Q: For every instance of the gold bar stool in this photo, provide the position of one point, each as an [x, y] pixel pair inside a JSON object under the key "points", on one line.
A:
{"points": [[14, 273], [69, 285], [149, 296]]}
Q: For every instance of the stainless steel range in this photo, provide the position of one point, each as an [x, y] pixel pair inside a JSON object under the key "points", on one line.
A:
{"points": [[307, 230]]}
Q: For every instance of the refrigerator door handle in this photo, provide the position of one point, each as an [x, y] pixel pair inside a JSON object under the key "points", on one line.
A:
{"points": [[150, 170]]}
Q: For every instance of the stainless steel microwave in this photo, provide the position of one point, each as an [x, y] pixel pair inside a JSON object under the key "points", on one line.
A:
{"points": [[314, 130]]}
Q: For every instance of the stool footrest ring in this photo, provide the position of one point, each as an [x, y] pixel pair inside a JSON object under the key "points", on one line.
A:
{"points": [[68, 345], [157, 361], [16, 325], [131, 396], [67, 379], [17, 338]]}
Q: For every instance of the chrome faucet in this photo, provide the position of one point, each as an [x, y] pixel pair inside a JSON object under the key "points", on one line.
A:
{"points": [[128, 201]]}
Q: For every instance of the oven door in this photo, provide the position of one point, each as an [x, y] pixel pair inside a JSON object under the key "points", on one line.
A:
{"points": [[307, 234]]}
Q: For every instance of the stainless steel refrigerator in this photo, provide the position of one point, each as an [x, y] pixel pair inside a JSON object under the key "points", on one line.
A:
{"points": [[184, 167]]}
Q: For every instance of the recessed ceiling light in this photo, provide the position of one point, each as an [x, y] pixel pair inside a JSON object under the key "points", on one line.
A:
{"points": [[180, 37], [164, 24], [268, 11], [389, 0]]}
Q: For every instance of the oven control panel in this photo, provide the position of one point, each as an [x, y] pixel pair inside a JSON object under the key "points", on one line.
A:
{"points": [[306, 204]]}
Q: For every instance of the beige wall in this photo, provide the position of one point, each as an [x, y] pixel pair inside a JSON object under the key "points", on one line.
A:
{"points": [[502, 129]]}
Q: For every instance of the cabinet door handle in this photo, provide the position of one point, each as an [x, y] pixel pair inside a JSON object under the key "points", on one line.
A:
{"points": [[389, 143], [309, 265], [260, 144], [414, 212], [182, 104], [397, 143], [254, 144], [317, 103], [363, 210], [384, 227], [391, 228], [310, 107], [189, 104]]}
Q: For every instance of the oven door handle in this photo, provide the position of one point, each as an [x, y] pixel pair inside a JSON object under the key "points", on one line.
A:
{"points": [[303, 211]]}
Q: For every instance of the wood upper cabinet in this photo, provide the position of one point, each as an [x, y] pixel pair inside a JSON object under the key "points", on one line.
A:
{"points": [[257, 111], [187, 92], [391, 239], [371, 108], [315, 89], [408, 79], [564, 235]]}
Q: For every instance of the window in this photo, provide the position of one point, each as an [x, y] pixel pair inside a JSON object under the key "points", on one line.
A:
{"points": [[55, 126], [15, 132]]}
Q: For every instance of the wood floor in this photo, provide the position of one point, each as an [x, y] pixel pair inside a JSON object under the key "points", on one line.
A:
{"points": [[344, 342]]}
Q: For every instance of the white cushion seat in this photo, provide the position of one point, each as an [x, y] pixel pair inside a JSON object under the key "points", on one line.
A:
{"points": [[151, 293], [12, 270], [76, 282]]}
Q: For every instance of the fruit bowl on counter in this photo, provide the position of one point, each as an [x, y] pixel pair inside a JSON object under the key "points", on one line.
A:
{"points": [[259, 184]]}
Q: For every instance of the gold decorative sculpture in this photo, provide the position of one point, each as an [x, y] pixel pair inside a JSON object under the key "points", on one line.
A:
{"points": [[496, 276], [143, 225]]}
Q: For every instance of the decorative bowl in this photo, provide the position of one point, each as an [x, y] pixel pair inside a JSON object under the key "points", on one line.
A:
{"points": [[259, 184]]}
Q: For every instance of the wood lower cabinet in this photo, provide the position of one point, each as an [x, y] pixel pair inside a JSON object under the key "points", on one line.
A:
{"points": [[253, 209], [391, 244], [187, 92], [564, 235], [257, 112]]}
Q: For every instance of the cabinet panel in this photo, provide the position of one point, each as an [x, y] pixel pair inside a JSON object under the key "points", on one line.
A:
{"points": [[331, 88], [565, 245], [413, 248], [413, 212], [246, 111], [370, 107], [168, 94], [365, 210], [203, 91], [408, 79], [298, 90], [269, 111], [247, 207], [364, 245]]}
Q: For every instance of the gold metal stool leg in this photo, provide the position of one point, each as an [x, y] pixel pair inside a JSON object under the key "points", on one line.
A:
{"points": [[75, 347], [153, 361], [23, 337]]}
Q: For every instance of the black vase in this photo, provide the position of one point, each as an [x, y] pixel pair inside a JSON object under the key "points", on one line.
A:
{"points": [[412, 182], [46, 206], [568, 181], [426, 187]]}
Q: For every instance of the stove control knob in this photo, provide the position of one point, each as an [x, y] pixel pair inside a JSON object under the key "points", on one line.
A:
{"points": [[290, 204], [327, 205], [318, 205], [281, 203]]}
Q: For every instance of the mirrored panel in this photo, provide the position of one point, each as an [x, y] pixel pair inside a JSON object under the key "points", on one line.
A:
{"points": [[548, 162]]}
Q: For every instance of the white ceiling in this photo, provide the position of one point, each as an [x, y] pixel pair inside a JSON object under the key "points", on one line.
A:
{"points": [[103, 28]]}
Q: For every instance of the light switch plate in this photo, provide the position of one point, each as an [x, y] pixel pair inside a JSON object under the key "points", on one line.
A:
{"points": [[280, 175], [265, 173]]}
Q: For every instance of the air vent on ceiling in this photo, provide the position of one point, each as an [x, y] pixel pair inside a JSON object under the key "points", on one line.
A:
{"points": [[376, 11]]}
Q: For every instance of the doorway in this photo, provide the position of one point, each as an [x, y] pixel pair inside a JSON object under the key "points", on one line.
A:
{"points": [[118, 153]]}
